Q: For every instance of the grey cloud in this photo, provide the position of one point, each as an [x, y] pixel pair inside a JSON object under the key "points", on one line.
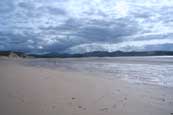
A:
{"points": [[164, 47], [166, 15], [56, 11], [62, 25], [6, 6], [26, 5]]}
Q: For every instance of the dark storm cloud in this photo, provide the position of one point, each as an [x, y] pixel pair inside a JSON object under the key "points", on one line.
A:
{"points": [[19, 42], [82, 26]]}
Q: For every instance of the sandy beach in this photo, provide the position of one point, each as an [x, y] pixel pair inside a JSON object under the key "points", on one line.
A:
{"points": [[29, 90]]}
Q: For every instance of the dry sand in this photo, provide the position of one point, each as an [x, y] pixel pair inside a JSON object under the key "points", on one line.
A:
{"points": [[28, 90]]}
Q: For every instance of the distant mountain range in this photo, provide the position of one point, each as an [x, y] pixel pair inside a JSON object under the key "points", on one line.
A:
{"points": [[89, 54]]}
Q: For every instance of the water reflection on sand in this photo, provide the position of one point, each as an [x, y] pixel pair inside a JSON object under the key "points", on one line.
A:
{"points": [[149, 70]]}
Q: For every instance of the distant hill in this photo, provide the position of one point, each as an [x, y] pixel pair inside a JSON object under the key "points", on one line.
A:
{"points": [[106, 54], [12, 54], [89, 54]]}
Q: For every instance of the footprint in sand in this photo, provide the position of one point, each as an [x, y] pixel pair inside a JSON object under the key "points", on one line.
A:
{"points": [[104, 109], [73, 98], [114, 106], [22, 100], [170, 102], [163, 100], [80, 107], [125, 98], [53, 106], [84, 108], [118, 90]]}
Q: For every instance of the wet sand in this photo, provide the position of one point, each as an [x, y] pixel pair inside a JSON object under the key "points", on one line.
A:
{"points": [[27, 90]]}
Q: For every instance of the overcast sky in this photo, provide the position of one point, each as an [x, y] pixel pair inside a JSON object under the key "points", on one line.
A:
{"points": [[77, 26]]}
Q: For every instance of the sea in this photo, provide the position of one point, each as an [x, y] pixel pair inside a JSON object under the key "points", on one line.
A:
{"points": [[153, 70]]}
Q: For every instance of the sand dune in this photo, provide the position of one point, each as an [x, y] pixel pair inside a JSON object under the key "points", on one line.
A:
{"points": [[26, 90]]}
